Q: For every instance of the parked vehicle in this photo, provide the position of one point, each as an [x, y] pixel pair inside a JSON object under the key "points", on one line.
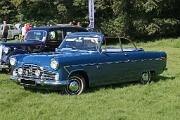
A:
{"points": [[38, 39], [13, 32], [83, 60]]}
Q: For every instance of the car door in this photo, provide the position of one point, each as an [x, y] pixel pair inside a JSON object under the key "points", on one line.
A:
{"points": [[111, 67], [115, 67], [135, 59], [136, 64], [55, 37], [9, 32], [15, 31], [117, 63]]}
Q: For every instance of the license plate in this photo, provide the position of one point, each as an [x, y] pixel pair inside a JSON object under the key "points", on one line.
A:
{"points": [[28, 82]]}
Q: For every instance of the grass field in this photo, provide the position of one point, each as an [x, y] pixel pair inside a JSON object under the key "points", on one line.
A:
{"points": [[159, 100]]}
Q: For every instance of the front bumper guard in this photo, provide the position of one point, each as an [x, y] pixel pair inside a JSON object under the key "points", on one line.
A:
{"points": [[42, 82], [4, 66]]}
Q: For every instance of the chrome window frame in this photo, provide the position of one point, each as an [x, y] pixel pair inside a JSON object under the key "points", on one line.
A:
{"points": [[36, 30]]}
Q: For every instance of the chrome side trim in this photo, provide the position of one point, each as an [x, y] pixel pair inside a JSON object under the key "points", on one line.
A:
{"points": [[117, 62], [65, 68]]}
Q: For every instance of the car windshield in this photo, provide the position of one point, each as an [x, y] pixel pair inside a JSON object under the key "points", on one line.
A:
{"points": [[38, 35], [80, 43]]}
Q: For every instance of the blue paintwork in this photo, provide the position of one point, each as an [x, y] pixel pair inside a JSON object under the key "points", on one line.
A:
{"points": [[101, 67], [21, 44]]}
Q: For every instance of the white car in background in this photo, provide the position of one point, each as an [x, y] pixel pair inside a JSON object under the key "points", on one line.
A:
{"points": [[13, 32]]}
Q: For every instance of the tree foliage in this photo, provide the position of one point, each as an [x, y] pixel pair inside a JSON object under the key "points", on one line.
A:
{"points": [[135, 18]]}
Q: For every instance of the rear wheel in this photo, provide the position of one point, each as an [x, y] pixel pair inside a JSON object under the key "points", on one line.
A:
{"points": [[76, 85], [16, 37], [146, 77]]}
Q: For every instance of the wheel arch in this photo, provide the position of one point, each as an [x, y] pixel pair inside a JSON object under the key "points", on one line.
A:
{"points": [[153, 74], [81, 73], [14, 36]]}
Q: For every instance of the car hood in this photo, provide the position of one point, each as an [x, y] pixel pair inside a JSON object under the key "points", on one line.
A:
{"points": [[64, 58], [18, 44]]}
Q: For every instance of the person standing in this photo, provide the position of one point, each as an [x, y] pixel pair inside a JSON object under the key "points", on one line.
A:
{"points": [[79, 24], [5, 31], [23, 32], [28, 27]]}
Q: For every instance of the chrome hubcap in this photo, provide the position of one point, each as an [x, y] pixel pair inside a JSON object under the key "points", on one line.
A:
{"points": [[74, 86], [145, 76]]}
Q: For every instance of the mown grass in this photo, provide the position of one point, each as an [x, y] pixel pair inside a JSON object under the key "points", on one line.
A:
{"points": [[13, 40], [159, 100]]}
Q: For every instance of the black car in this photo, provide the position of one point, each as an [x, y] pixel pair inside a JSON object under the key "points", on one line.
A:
{"points": [[38, 39]]}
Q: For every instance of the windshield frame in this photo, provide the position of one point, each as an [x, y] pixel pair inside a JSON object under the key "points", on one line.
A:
{"points": [[36, 39], [71, 49]]}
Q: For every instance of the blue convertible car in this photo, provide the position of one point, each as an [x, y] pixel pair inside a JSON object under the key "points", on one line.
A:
{"points": [[84, 60]]}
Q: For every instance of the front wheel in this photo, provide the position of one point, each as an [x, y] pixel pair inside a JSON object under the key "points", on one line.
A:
{"points": [[76, 85], [146, 77]]}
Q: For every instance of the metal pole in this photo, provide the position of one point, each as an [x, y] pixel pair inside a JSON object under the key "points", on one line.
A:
{"points": [[91, 14]]}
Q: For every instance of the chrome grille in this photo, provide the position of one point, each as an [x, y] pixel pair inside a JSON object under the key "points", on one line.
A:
{"points": [[29, 72]]}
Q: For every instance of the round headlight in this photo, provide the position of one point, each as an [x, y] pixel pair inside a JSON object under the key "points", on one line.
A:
{"points": [[37, 73], [20, 71], [6, 50], [54, 64], [13, 61]]}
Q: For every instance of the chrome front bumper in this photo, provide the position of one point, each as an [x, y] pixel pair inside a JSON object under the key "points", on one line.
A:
{"points": [[4, 66], [41, 82]]}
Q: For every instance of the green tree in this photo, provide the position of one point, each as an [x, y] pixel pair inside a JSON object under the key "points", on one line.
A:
{"points": [[7, 10], [144, 18]]}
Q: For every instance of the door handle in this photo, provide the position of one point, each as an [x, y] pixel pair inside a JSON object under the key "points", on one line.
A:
{"points": [[125, 54], [97, 66]]}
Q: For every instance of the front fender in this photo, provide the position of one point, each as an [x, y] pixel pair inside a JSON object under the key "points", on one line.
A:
{"points": [[13, 52]]}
